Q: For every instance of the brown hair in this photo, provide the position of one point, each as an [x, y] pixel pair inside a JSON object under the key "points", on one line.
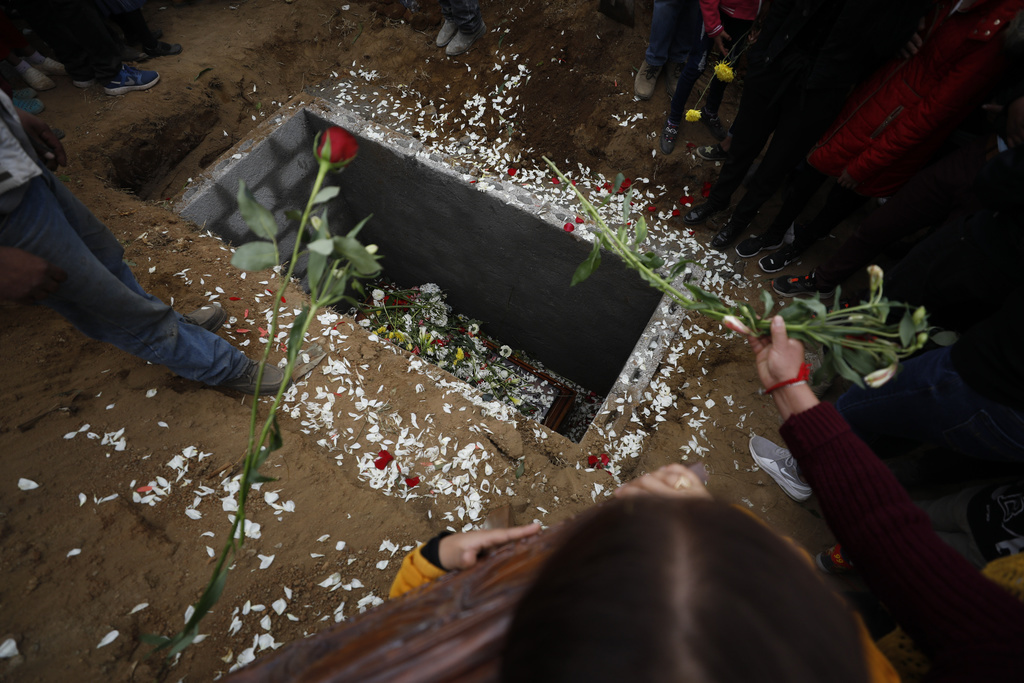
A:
{"points": [[656, 589]]}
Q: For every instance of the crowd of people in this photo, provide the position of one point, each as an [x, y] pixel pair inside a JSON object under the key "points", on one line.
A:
{"points": [[919, 104], [93, 42]]}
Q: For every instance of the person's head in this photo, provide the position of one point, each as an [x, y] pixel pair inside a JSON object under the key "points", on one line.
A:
{"points": [[650, 588]]}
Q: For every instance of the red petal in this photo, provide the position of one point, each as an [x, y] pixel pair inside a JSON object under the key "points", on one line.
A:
{"points": [[234, 298], [686, 199], [412, 481], [652, 208], [675, 212], [144, 489], [512, 171], [579, 219], [568, 227], [382, 461], [706, 190], [555, 181], [241, 331], [283, 301], [690, 145], [591, 460]]}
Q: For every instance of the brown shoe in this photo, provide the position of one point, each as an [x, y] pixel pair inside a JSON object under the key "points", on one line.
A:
{"points": [[646, 79]]}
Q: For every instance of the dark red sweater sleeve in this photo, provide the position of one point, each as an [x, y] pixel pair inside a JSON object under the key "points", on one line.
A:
{"points": [[970, 627]]}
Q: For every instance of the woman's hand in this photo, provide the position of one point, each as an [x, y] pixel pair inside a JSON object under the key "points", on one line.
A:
{"points": [[673, 481], [460, 551], [779, 359]]}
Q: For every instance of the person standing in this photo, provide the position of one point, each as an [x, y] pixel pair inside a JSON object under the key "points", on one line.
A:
{"points": [[463, 26], [672, 27]]}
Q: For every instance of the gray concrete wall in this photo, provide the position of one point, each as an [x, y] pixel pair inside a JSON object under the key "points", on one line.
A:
{"points": [[499, 257]]}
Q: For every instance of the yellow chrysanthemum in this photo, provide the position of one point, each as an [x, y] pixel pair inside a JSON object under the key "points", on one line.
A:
{"points": [[693, 115], [459, 354], [724, 72]]}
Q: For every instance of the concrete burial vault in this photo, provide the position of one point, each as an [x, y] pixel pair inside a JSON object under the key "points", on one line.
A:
{"points": [[499, 252]]}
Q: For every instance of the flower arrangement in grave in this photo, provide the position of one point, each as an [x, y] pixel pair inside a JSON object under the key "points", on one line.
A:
{"points": [[336, 263], [420, 321], [859, 341]]}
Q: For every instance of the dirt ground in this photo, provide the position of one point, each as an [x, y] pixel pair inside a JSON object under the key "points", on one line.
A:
{"points": [[77, 562]]}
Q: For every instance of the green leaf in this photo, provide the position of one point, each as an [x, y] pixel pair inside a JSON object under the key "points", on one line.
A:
{"points": [[842, 367], [362, 261], [520, 468], [617, 185], [908, 330], [945, 338], [621, 234], [678, 268], [860, 360], [295, 334], [652, 260], [813, 305], [326, 194], [625, 205], [769, 302], [837, 303], [293, 215], [261, 478], [641, 231], [154, 639], [255, 256], [586, 268], [701, 294], [259, 220], [322, 246]]}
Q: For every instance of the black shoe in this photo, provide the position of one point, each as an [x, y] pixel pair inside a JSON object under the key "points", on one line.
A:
{"points": [[752, 246], [794, 286], [773, 263], [273, 378], [668, 138], [162, 49], [713, 123], [712, 153], [729, 233], [699, 214]]}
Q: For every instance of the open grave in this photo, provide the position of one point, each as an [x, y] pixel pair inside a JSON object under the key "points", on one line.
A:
{"points": [[499, 253]]}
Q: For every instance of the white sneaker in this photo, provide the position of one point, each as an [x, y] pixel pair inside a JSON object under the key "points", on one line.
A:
{"points": [[37, 79], [780, 465], [51, 67]]}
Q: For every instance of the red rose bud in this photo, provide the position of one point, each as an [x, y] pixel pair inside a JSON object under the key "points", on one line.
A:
{"points": [[336, 146], [734, 324]]}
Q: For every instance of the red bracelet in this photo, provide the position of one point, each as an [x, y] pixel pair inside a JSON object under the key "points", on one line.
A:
{"points": [[801, 378]]}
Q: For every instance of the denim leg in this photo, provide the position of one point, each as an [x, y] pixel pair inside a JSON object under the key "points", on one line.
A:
{"points": [[691, 72], [465, 13], [670, 38], [928, 402], [101, 296]]}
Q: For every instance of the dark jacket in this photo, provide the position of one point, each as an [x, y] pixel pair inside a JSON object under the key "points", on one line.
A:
{"points": [[838, 53]]}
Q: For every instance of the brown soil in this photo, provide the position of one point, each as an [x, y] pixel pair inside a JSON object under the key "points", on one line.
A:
{"points": [[130, 157]]}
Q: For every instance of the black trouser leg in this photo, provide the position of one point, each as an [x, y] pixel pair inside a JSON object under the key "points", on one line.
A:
{"points": [[136, 30]]}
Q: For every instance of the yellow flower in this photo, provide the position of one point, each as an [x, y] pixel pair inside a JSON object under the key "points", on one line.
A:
{"points": [[724, 72], [693, 115], [459, 354], [381, 330]]}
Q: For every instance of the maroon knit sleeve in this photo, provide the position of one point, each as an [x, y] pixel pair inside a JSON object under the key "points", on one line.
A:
{"points": [[970, 627]]}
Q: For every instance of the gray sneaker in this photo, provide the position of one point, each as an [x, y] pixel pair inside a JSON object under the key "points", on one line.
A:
{"points": [[246, 382], [646, 79], [209, 317], [780, 466], [447, 32], [463, 41], [672, 74]]}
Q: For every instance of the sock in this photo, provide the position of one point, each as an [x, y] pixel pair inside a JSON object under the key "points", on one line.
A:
{"points": [[36, 58], [22, 66], [674, 124]]}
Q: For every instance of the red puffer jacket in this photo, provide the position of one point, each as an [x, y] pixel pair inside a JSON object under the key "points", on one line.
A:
{"points": [[892, 123]]}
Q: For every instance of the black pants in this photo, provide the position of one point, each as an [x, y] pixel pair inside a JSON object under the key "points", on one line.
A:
{"points": [[840, 205], [774, 104], [77, 34], [938, 191]]}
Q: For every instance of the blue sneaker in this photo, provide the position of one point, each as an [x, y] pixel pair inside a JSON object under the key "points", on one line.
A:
{"points": [[31, 105], [24, 94], [130, 79]]}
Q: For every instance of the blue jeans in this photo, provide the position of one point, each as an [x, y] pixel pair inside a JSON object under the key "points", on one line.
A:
{"points": [[929, 402], [101, 296], [672, 28], [465, 13], [697, 63]]}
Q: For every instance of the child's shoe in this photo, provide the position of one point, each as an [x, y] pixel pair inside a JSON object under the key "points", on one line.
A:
{"points": [[832, 561]]}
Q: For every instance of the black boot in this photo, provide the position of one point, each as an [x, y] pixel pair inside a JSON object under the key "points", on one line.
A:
{"points": [[728, 234], [699, 214]]}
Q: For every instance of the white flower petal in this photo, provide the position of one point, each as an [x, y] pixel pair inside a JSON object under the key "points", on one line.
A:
{"points": [[27, 484], [108, 639]]}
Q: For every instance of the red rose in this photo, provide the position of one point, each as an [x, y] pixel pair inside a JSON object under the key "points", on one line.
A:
{"points": [[337, 146]]}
